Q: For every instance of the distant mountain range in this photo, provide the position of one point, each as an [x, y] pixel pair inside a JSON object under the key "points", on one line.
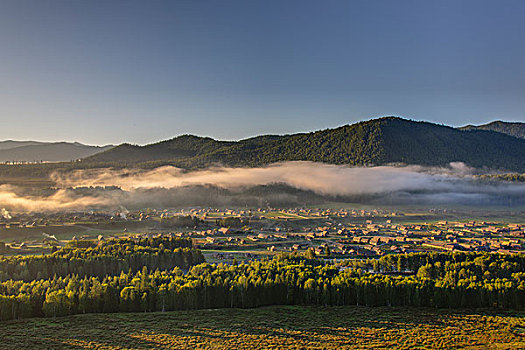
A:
{"points": [[388, 140], [378, 141], [512, 129], [13, 144], [34, 151]]}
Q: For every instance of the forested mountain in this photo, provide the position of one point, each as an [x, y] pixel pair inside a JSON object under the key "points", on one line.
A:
{"points": [[32, 151], [378, 141], [182, 147], [512, 129]]}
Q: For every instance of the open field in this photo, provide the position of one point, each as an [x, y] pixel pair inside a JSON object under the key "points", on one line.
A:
{"points": [[273, 327]]}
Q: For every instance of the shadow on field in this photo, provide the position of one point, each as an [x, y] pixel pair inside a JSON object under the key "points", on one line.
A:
{"points": [[278, 326]]}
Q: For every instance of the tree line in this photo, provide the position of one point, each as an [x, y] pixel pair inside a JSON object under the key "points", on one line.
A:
{"points": [[466, 281], [442, 264], [87, 258]]}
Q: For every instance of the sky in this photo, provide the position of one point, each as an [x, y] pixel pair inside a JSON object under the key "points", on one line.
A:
{"points": [[106, 72]]}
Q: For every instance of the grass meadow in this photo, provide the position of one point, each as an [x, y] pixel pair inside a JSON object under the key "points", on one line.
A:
{"points": [[278, 327]]}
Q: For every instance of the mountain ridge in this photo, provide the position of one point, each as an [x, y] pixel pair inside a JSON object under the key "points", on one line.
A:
{"points": [[516, 129], [378, 141], [36, 151]]}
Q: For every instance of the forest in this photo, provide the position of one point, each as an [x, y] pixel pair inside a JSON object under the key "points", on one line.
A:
{"points": [[165, 282], [509, 128], [85, 258]]}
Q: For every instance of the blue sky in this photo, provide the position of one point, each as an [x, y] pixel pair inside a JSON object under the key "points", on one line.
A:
{"points": [[140, 71]]}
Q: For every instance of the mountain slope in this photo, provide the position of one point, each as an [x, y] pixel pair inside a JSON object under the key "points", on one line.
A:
{"points": [[50, 152], [9, 144], [185, 146], [512, 129], [378, 141], [431, 144]]}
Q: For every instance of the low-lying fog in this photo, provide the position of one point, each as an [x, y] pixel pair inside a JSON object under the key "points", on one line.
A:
{"points": [[281, 184]]}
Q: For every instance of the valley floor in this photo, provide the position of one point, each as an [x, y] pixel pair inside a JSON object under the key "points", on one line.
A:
{"points": [[277, 327]]}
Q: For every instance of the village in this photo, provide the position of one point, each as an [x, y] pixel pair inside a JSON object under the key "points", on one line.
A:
{"points": [[331, 236], [225, 234]]}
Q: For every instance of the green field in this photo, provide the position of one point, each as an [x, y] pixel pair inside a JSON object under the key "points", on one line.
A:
{"points": [[273, 327]]}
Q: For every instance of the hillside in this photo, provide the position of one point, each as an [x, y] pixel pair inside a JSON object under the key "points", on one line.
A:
{"points": [[8, 144], [182, 147], [512, 129], [378, 141], [30, 151]]}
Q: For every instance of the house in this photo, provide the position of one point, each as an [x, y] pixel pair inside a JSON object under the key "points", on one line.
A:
{"points": [[224, 230], [299, 246]]}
